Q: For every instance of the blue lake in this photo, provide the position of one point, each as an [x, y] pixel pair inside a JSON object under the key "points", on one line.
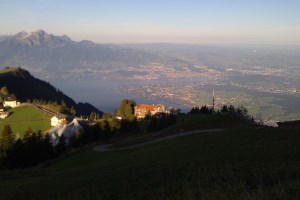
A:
{"points": [[104, 94]]}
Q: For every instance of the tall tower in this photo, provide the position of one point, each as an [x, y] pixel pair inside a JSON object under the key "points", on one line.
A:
{"points": [[213, 101]]}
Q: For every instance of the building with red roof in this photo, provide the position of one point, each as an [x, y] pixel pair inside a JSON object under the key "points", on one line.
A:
{"points": [[141, 110]]}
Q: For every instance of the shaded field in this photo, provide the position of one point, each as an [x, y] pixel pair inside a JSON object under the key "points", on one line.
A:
{"points": [[241, 163], [23, 117], [185, 122], [189, 122]]}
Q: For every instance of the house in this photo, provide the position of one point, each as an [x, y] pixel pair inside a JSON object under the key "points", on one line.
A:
{"points": [[3, 115], [58, 119], [1, 107], [141, 110], [10, 101], [119, 118]]}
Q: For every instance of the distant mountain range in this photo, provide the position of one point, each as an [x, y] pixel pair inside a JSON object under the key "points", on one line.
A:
{"points": [[38, 38], [58, 56]]}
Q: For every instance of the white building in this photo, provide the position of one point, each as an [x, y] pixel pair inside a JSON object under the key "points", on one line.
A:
{"points": [[10, 101], [57, 120]]}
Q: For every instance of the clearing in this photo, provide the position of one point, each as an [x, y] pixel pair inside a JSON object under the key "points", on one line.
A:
{"points": [[23, 117]]}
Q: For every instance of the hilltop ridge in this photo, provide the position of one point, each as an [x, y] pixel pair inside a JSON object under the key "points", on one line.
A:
{"points": [[26, 87]]}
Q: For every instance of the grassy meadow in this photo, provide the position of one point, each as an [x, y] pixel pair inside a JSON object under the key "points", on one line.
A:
{"points": [[23, 117], [239, 163]]}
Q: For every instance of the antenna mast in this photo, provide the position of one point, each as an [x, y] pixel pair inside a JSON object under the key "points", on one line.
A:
{"points": [[213, 103]]}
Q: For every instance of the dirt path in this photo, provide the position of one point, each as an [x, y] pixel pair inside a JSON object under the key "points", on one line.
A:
{"points": [[107, 147]]}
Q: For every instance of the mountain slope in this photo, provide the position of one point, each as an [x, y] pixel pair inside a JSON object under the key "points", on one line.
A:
{"points": [[25, 86], [228, 165]]}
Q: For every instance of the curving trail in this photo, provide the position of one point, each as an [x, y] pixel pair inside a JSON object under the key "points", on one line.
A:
{"points": [[107, 147]]}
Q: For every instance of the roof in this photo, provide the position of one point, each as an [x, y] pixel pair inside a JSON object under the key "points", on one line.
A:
{"points": [[10, 97], [148, 107]]}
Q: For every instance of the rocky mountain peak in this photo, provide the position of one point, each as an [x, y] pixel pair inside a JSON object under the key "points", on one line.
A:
{"points": [[39, 38], [22, 34]]}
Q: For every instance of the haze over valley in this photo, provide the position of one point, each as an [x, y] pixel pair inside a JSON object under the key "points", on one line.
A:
{"points": [[264, 78]]}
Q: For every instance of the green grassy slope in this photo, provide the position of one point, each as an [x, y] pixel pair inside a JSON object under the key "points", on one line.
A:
{"points": [[235, 164], [24, 117]]}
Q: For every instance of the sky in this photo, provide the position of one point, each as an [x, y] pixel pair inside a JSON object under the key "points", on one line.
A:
{"points": [[150, 21]]}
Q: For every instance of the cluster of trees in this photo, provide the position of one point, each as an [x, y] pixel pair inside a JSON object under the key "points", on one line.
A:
{"points": [[103, 130], [232, 109], [241, 109], [62, 106], [242, 113], [35, 148], [122, 120], [224, 109], [203, 110], [64, 109], [31, 150], [161, 121]]}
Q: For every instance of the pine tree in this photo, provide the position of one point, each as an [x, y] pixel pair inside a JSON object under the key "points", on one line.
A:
{"points": [[106, 130], [106, 115], [47, 147], [16, 157], [224, 108], [76, 139], [153, 125], [127, 108], [4, 91], [61, 146], [73, 111], [7, 140]]}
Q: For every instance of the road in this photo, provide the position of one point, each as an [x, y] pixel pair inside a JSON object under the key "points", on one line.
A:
{"points": [[107, 147]]}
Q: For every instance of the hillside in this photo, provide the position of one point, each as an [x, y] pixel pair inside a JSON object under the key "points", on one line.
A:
{"points": [[234, 164], [21, 83]]}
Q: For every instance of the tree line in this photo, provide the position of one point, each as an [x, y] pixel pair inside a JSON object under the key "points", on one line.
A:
{"points": [[35, 148], [31, 150], [240, 111]]}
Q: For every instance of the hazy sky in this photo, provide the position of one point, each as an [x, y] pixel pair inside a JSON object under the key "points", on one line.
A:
{"points": [[180, 21]]}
